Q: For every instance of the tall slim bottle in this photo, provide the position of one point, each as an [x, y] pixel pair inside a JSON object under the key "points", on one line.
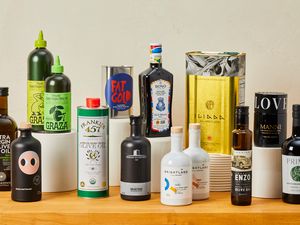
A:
{"points": [[200, 163], [57, 100], [39, 68], [135, 164], [176, 173], [156, 91], [8, 132], [291, 162], [26, 167], [241, 169]]}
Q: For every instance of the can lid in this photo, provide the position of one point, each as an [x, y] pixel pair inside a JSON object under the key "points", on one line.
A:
{"points": [[25, 125], [177, 130], [92, 102], [3, 91]]}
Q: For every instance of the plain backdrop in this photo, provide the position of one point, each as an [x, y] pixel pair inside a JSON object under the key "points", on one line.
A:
{"points": [[89, 34]]}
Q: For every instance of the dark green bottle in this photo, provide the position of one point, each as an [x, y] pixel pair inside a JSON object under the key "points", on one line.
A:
{"points": [[39, 68], [57, 100]]}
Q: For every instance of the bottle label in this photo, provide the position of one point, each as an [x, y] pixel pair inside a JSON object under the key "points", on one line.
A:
{"points": [[135, 189], [176, 183], [118, 92], [291, 174], [200, 177], [35, 102], [160, 105], [5, 141], [241, 172], [57, 112], [92, 153]]}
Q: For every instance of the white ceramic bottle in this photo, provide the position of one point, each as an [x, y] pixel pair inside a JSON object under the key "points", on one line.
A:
{"points": [[200, 164], [176, 173]]}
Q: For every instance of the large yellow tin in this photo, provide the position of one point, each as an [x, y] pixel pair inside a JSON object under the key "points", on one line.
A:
{"points": [[215, 85]]}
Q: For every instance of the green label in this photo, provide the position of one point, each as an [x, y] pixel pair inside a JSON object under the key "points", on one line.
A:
{"points": [[35, 102], [57, 112]]}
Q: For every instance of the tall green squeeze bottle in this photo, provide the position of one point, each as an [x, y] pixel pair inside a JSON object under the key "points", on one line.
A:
{"points": [[39, 68], [57, 100]]}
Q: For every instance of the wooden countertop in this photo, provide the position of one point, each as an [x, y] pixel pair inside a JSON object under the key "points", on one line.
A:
{"points": [[66, 208]]}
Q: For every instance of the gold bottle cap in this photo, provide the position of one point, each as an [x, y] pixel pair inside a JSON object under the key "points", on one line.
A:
{"points": [[25, 125], [176, 130], [194, 126]]}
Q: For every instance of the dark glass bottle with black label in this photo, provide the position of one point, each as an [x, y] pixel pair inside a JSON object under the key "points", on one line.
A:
{"points": [[26, 167], [270, 119], [135, 164], [8, 132], [156, 91], [291, 162], [241, 168]]}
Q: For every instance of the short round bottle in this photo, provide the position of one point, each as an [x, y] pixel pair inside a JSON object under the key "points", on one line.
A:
{"points": [[200, 163], [176, 173]]}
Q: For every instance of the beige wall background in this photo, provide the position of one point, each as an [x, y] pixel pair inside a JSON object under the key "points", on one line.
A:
{"points": [[88, 34]]}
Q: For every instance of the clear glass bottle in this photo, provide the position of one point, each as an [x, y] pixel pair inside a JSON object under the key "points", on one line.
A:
{"points": [[135, 182], [156, 91], [200, 163], [291, 162], [176, 173], [8, 132], [241, 169]]}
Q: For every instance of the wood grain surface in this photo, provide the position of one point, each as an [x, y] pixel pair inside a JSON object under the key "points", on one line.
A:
{"points": [[67, 209]]}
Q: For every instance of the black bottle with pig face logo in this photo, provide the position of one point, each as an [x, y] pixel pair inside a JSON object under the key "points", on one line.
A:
{"points": [[26, 167]]}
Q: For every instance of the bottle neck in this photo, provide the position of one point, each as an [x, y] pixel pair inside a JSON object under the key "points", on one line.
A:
{"points": [[176, 142], [25, 133], [296, 127], [3, 105], [194, 138], [242, 122], [155, 60], [135, 130]]}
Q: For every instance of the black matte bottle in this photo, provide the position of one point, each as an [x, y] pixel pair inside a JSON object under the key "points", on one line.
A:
{"points": [[26, 167], [156, 91], [8, 132], [291, 162], [241, 169], [135, 164]]}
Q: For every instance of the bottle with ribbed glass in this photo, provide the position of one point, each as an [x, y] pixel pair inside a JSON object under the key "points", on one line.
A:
{"points": [[291, 162], [200, 163], [156, 91], [39, 68], [8, 132]]}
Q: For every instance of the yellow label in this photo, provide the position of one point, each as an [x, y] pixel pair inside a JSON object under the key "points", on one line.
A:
{"points": [[35, 102], [211, 101]]}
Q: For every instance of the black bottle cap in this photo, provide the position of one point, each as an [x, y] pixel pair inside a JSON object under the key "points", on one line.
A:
{"points": [[242, 110], [3, 91], [135, 120], [270, 102], [296, 111], [242, 115]]}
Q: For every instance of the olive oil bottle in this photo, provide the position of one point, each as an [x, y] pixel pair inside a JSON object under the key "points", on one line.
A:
{"points": [[39, 68], [57, 100], [8, 132]]}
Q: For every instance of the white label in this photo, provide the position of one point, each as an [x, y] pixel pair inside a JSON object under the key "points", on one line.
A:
{"points": [[200, 177], [291, 174], [92, 153], [135, 189], [160, 104], [176, 183]]}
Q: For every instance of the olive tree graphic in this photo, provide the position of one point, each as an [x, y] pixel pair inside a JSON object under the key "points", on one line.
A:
{"points": [[57, 112]]}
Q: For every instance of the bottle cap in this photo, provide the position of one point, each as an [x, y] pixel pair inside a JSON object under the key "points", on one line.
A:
{"points": [[92, 102], [135, 120], [40, 42], [155, 48], [176, 130], [57, 67], [296, 111], [3, 91], [242, 110], [25, 125], [194, 126]]}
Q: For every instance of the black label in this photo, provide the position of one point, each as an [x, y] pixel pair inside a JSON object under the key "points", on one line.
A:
{"points": [[241, 183]]}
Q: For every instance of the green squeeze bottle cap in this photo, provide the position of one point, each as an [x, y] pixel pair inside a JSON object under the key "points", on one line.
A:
{"points": [[40, 42], [56, 67]]}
